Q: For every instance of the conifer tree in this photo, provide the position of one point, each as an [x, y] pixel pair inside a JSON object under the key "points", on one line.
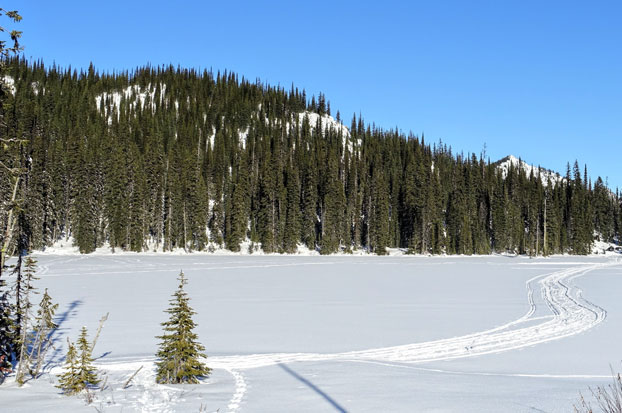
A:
{"points": [[41, 337], [139, 174], [79, 374], [24, 288], [87, 373], [238, 215], [69, 381], [179, 353], [379, 216], [10, 183], [293, 218], [309, 208], [11, 165], [333, 211], [7, 332], [267, 216]]}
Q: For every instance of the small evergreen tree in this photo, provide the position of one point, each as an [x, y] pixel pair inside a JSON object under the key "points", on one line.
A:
{"points": [[24, 287], [79, 372], [69, 381], [179, 350], [41, 340], [87, 373]]}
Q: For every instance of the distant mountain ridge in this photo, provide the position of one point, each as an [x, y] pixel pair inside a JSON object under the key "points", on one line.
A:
{"points": [[511, 161], [165, 159]]}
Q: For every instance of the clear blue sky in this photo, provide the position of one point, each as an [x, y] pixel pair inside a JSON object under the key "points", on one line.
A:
{"points": [[537, 79]]}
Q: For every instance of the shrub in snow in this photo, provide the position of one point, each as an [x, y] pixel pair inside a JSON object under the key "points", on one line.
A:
{"points": [[608, 398]]}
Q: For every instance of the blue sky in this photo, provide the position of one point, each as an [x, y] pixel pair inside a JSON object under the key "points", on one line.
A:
{"points": [[537, 79]]}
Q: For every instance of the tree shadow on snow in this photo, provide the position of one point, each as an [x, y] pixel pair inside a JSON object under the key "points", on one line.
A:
{"points": [[313, 387], [102, 355], [57, 335]]}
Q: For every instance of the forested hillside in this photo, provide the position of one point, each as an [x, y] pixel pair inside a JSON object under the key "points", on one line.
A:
{"points": [[162, 158]]}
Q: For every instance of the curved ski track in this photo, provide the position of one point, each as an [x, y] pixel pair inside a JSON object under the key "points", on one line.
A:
{"points": [[570, 314]]}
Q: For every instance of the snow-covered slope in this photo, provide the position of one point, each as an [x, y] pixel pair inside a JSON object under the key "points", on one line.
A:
{"points": [[135, 93], [327, 122], [511, 161], [9, 82]]}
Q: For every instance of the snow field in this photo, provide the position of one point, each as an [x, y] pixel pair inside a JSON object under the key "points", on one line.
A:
{"points": [[333, 333]]}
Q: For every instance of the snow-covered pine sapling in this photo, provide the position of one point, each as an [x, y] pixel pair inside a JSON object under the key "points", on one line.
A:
{"points": [[41, 342], [80, 374], [88, 373], [69, 380], [24, 287], [179, 353]]}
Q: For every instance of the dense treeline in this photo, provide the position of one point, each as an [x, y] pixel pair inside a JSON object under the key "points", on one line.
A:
{"points": [[164, 158]]}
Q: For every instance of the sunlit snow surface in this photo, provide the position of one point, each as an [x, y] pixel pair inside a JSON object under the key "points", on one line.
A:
{"points": [[315, 334]]}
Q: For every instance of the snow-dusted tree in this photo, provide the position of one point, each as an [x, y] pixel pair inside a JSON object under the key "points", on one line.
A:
{"points": [[7, 331], [10, 145], [24, 287], [80, 373], [43, 327], [88, 373], [69, 381], [179, 353], [9, 168]]}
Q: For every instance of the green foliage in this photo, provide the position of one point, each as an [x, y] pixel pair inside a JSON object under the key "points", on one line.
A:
{"points": [[87, 373], [40, 340], [24, 288], [69, 380], [10, 183], [210, 153], [333, 210], [7, 331], [179, 353], [13, 47], [80, 374], [293, 215]]}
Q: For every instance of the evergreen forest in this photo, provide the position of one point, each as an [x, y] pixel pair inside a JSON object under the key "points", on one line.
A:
{"points": [[160, 158]]}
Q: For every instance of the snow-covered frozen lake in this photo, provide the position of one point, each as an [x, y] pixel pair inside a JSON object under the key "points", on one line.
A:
{"points": [[339, 333]]}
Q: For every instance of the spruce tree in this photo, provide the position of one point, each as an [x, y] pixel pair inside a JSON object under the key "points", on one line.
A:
{"points": [[79, 374], [79, 162], [11, 163], [87, 373], [293, 216], [333, 211], [7, 332], [238, 216], [24, 289], [179, 353], [41, 338], [69, 380], [309, 208]]}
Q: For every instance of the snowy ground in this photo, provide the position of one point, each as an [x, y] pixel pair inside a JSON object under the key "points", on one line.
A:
{"points": [[284, 333]]}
